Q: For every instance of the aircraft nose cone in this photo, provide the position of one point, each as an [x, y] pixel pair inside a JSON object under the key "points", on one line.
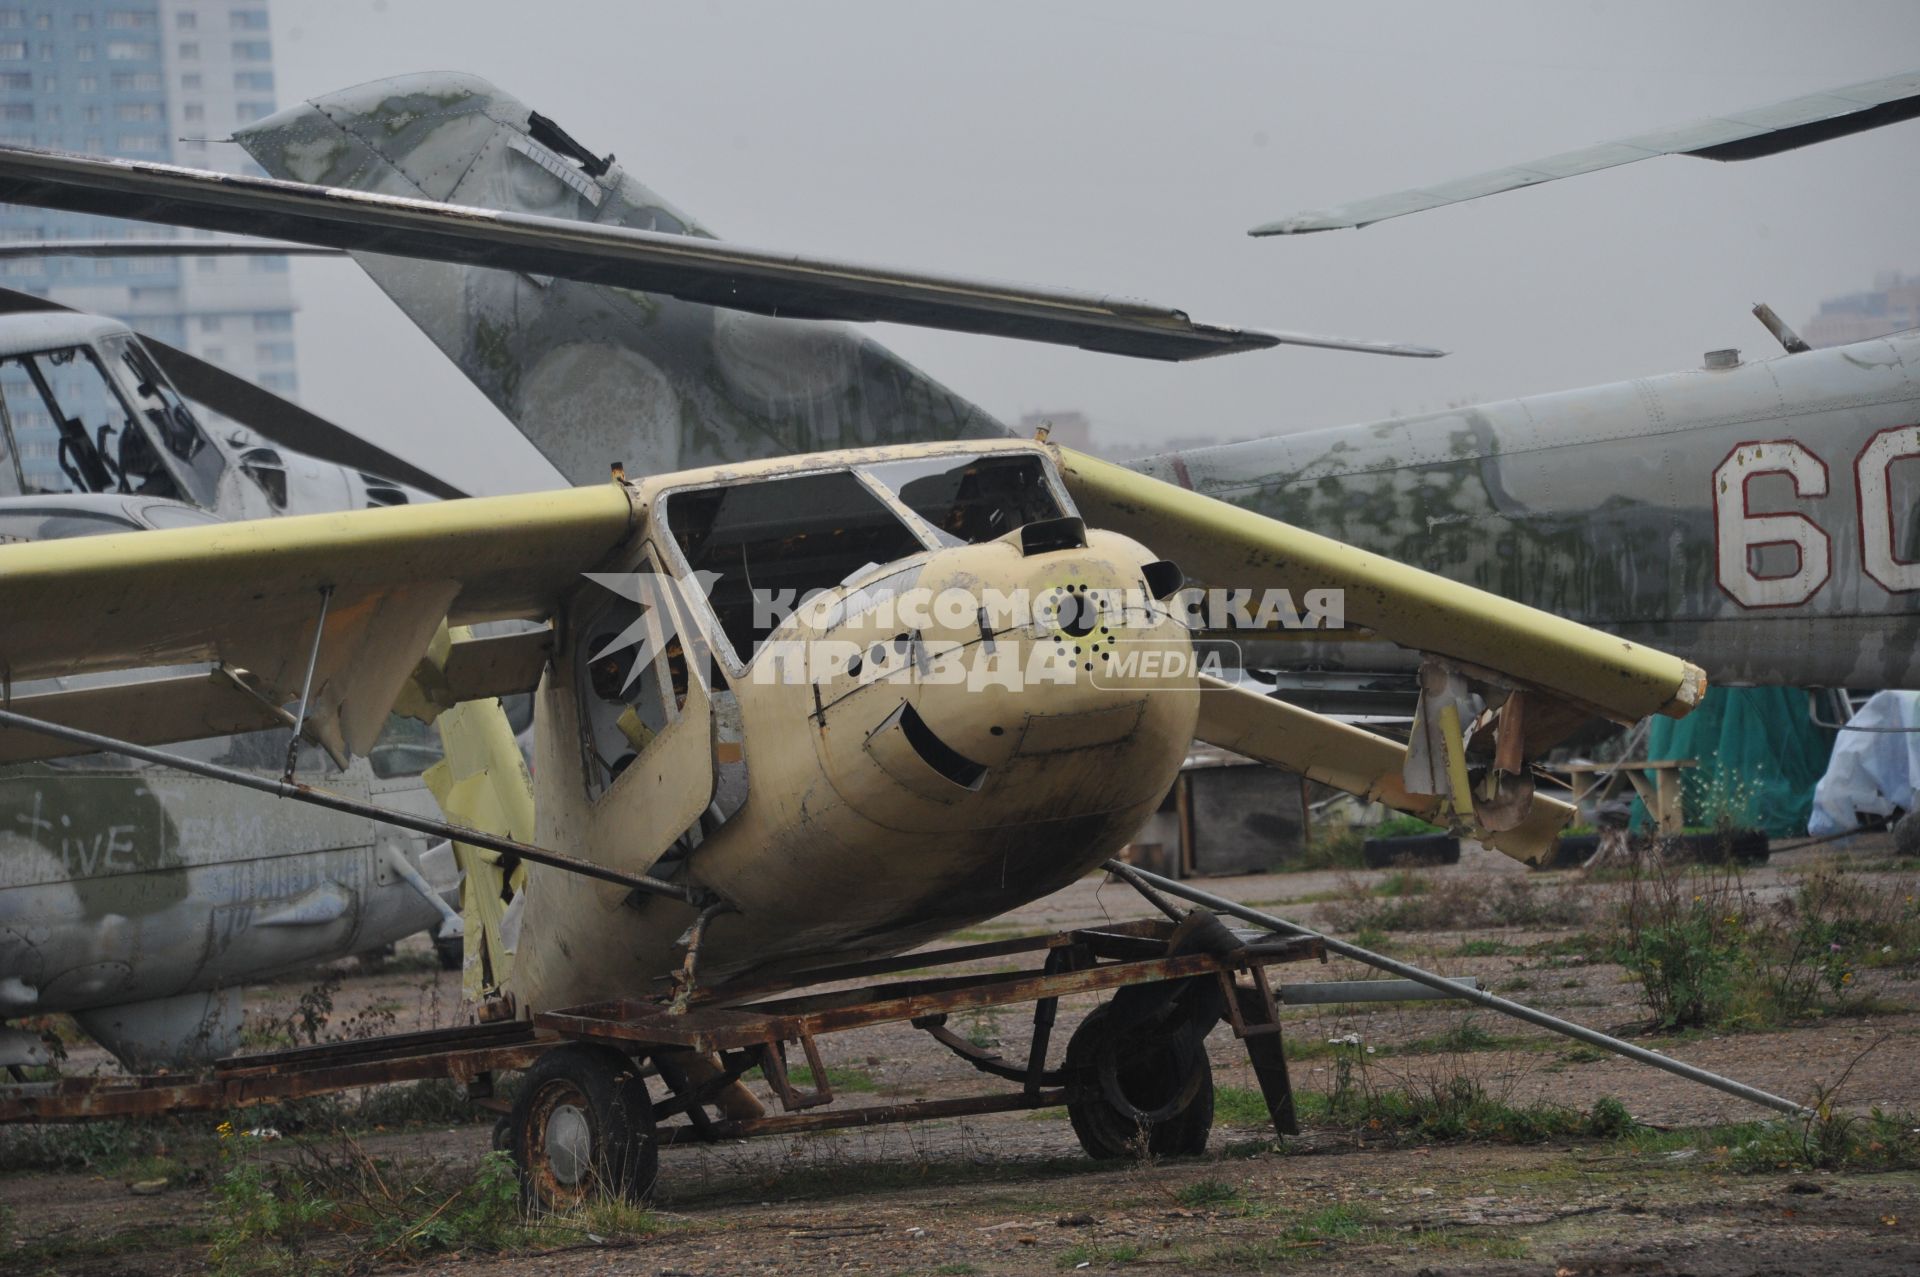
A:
{"points": [[1065, 692]]}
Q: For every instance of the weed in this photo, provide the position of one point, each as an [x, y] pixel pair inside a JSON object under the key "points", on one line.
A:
{"points": [[1210, 1194], [1486, 949], [1707, 951], [1240, 1106]]}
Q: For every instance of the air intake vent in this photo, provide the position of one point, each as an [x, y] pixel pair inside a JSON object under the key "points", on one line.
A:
{"points": [[1047, 535]]}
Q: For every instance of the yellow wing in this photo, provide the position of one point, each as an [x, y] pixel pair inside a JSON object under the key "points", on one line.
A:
{"points": [[1226, 546], [248, 596]]}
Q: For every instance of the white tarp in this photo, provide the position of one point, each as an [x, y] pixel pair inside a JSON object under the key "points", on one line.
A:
{"points": [[1872, 772]]}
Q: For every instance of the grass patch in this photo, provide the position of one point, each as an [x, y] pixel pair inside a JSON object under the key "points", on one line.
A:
{"points": [[1487, 949], [343, 1211], [1210, 1194], [1241, 1106]]}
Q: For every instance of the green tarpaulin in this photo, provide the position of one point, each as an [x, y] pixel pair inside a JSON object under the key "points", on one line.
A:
{"points": [[1759, 753]]}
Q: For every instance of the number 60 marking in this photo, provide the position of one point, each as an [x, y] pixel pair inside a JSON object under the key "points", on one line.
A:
{"points": [[1737, 530]]}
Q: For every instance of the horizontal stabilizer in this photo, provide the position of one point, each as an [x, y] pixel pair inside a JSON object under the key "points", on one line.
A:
{"points": [[1743, 135]]}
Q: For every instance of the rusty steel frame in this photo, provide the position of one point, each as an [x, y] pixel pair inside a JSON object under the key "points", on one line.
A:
{"points": [[744, 1033]]}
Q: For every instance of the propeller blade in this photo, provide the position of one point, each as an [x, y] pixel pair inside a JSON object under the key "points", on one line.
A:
{"points": [[709, 271]]}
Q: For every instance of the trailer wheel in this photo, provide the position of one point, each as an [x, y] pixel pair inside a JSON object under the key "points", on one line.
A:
{"points": [[1149, 1082], [581, 1125]]}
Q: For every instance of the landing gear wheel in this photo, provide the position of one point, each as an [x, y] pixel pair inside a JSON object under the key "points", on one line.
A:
{"points": [[1147, 1082], [583, 1124]]}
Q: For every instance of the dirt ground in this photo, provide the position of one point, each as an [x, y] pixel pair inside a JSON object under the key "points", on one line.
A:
{"points": [[1012, 1193]]}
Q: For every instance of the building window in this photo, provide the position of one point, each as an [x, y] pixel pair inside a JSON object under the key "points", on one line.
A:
{"points": [[138, 111], [273, 322], [137, 82], [128, 20], [87, 84], [49, 84], [142, 142], [256, 81], [252, 50], [13, 111], [131, 51], [193, 112], [93, 146], [280, 382], [206, 266], [190, 81], [246, 112], [209, 323], [215, 353], [12, 18], [189, 49], [13, 50], [186, 21], [249, 19], [90, 114], [81, 52], [273, 352], [17, 81], [267, 265], [83, 22]]}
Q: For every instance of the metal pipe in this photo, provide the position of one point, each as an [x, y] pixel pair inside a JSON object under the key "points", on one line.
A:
{"points": [[306, 687], [297, 792], [1492, 1002], [1320, 993]]}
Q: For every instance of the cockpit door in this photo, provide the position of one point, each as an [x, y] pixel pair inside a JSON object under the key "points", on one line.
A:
{"points": [[646, 720]]}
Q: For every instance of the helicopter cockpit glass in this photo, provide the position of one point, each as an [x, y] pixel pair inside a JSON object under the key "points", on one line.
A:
{"points": [[973, 498], [779, 540], [170, 425], [70, 429]]}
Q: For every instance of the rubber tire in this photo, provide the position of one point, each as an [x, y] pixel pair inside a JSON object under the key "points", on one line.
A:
{"points": [[605, 1088], [1154, 1067]]}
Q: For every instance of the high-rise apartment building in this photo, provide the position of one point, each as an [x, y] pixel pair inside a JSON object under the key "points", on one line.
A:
{"points": [[147, 80], [1891, 305]]}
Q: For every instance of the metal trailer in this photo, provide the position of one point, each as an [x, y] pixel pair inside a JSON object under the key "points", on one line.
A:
{"points": [[610, 1084]]}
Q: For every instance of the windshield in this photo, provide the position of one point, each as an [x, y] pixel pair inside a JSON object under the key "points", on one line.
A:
{"points": [[780, 540], [67, 423], [170, 424], [972, 498]]}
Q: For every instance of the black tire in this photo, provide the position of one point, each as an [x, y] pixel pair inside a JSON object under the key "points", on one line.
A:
{"points": [[1153, 1069], [582, 1125]]}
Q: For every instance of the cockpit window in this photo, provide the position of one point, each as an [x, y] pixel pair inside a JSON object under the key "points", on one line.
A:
{"points": [[69, 426], [779, 541], [170, 424], [972, 498]]}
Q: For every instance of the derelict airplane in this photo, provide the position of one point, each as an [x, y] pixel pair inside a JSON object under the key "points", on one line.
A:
{"points": [[556, 355]]}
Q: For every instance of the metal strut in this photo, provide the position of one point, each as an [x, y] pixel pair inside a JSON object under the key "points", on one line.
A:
{"points": [[306, 687], [299, 793], [1492, 1002]]}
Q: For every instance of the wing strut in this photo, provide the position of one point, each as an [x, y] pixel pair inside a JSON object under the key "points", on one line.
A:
{"points": [[296, 792]]}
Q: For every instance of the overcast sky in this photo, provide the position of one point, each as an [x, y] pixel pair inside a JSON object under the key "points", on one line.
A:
{"points": [[1127, 147]]}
